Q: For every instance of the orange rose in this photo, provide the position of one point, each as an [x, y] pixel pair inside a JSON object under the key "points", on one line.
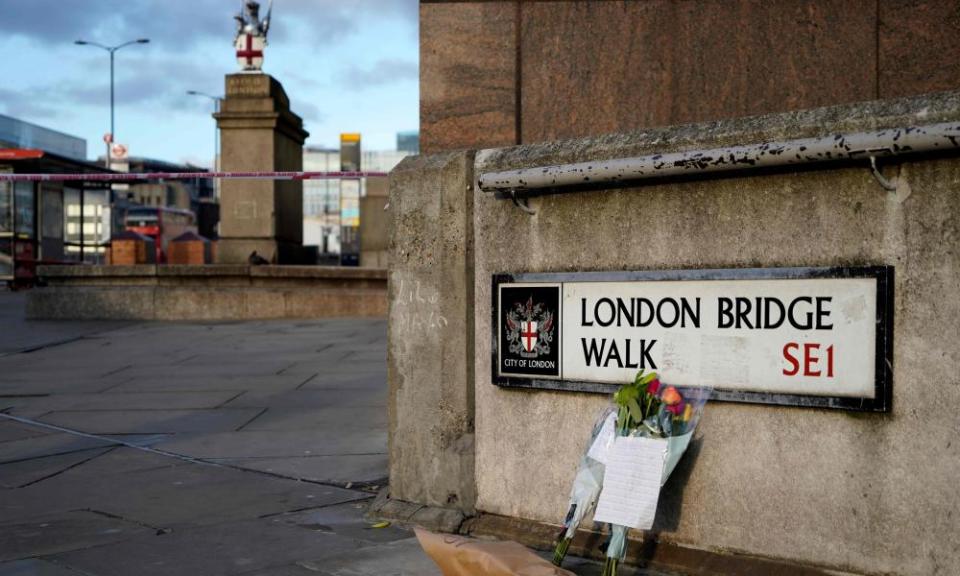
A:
{"points": [[671, 396]]}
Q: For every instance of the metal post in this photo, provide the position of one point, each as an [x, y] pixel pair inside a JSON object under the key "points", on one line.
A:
{"points": [[113, 136], [82, 221]]}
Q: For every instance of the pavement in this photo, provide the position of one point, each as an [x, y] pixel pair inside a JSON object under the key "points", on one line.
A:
{"points": [[246, 448], [201, 449]]}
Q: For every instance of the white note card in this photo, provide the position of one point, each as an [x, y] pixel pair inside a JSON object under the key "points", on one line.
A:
{"points": [[604, 440], [631, 482]]}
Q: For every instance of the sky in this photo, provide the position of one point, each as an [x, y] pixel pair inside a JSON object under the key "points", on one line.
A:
{"points": [[346, 65]]}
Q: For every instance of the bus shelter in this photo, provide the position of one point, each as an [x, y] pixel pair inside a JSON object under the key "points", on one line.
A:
{"points": [[50, 222]]}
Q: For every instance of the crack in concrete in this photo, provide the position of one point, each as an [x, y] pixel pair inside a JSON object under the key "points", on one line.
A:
{"points": [[182, 457], [64, 453], [250, 421], [118, 370], [70, 467], [159, 529], [290, 457], [304, 383]]}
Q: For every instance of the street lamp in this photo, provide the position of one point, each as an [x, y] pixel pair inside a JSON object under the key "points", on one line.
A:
{"points": [[111, 50], [216, 132]]}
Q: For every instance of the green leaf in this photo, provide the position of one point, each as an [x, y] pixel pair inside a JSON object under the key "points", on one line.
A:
{"points": [[635, 410]]}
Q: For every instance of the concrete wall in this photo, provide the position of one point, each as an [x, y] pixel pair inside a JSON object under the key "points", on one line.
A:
{"points": [[148, 292], [865, 493], [430, 331], [537, 71]]}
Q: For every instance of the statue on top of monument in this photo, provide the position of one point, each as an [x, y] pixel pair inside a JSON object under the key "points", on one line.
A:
{"points": [[251, 36]]}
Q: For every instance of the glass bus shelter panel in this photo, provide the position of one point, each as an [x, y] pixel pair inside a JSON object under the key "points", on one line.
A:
{"points": [[93, 225], [6, 208], [51, 223], [24, 211]]}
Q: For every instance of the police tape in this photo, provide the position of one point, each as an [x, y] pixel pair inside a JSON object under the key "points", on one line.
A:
{"points": [[135, 176]]}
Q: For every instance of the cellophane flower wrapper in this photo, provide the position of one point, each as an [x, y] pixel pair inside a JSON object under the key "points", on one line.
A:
{"points": [[586, 484], [679, 440], [665, 424]]}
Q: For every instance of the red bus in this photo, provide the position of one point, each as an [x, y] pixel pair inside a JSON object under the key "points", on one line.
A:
{"points": [[161, 224]]}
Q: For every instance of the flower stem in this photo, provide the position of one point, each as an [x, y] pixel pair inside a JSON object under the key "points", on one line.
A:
{"points": [[560, 552], [610, 567]]}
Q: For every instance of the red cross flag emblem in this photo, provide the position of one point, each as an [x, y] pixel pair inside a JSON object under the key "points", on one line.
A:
{"points": [[528, 335], [250, 51]]}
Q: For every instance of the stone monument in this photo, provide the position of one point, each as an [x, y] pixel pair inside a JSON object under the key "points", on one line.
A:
{"points": [[259, 133]]}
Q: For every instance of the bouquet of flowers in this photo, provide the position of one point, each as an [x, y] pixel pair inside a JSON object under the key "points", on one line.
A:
{"points": [[658, 423], [587, 482]]}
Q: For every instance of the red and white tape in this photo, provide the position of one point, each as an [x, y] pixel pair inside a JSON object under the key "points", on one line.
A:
{"points": [[128, 177]]}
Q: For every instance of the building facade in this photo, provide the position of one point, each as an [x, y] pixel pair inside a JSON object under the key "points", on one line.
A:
{"points": [[321, 198]]}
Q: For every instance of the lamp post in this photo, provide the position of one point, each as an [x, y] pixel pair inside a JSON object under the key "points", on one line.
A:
{"points": [[112, 50], [216, 135]]}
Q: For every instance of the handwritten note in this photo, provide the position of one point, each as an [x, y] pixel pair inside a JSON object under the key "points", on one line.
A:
{"points": [[604, 440], [631, 482]]}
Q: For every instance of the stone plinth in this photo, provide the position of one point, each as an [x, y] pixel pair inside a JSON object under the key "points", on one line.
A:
{"points": [[258, 132]]}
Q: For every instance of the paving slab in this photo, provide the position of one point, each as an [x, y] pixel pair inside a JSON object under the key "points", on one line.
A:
{"points": [[11, 430], [325, 380], [338, 469], [347, 520], [375, 398], [25, 386], [169, 494], [398, 558], [288, 570], [220, 550], [151, 421], [125, 401], [35, 567], [338, 418], [21, 334], [69, 530], [215, 497], [47, 445], [279, 443], [209, 383], [27, 472]]}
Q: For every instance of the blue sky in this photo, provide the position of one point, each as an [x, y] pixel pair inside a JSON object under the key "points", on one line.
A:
{"points": [[347, 66]]}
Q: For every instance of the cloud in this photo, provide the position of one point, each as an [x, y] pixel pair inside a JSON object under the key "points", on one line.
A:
{"points": [[309, 111], [183, 23], [386, 71], [108, 21], [19, 105]]}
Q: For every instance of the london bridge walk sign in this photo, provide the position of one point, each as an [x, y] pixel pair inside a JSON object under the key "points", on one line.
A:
{"points": [[790, 336]]}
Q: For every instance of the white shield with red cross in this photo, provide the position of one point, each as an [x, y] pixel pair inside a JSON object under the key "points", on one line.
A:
{"points": [[250, 51], [528, 335]]}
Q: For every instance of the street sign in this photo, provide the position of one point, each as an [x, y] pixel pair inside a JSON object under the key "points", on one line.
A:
{"points": [[119, 151], [798, 336]]}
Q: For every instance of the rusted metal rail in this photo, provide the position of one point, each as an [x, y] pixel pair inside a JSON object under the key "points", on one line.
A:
{"points": [[832, 147]]}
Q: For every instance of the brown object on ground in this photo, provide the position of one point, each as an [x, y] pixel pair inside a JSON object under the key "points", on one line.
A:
{"points": [[191, 249], [129, 248], [462, 556]]}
